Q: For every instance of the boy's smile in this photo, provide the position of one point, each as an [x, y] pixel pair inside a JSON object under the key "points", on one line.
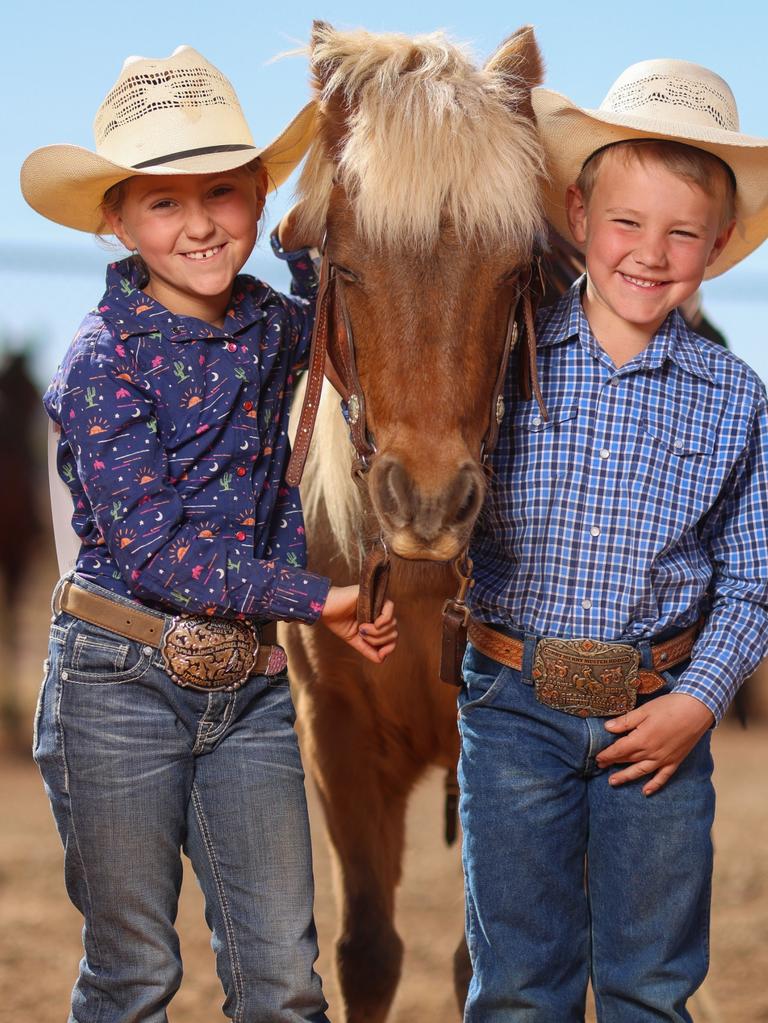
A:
{"points": [[194, 233], [648, 236]]}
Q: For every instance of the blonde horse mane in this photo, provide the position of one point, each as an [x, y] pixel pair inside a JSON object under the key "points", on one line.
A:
{"points": [[426, 134], [328, 488]]}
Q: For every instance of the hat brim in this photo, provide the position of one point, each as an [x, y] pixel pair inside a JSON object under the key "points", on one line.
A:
{"points": [[67, 183], [571, 134]]}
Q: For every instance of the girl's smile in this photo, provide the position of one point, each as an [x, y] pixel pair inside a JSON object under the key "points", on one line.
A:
{"points": [[194, 233]]}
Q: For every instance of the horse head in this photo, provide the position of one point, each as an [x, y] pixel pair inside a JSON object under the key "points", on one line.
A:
{"points": [[424, 181]]}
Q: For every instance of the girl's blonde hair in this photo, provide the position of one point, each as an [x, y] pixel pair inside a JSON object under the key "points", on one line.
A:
{"points": [[114, 196]]}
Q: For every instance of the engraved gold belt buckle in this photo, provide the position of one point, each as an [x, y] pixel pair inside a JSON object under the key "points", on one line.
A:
{"points": [[210, 654], [586, 678]]}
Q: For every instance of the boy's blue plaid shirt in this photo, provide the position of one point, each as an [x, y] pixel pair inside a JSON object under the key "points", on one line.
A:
{"points": [[639, 506]]}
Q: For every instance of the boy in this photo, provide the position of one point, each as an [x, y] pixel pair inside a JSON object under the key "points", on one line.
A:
{"points": [[621, 591]]}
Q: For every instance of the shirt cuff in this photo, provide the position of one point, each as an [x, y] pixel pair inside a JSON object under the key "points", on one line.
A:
{"points": [[298, 595], [296, 254]]}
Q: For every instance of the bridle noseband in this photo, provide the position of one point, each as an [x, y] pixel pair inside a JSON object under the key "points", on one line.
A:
{"points": [[333, 337]]}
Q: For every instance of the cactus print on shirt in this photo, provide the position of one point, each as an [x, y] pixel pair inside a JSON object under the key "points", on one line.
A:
{"points": [[174, 445]]}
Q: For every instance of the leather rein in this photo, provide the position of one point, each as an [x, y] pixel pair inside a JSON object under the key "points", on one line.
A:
{"points": [[332, 335]]}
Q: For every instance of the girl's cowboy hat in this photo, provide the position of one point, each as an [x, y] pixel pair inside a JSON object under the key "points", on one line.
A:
{"points": [[171, 115], [659, 99]]}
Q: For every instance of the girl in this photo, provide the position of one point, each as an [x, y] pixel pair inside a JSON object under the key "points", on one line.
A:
{"points": [[164, 723]]}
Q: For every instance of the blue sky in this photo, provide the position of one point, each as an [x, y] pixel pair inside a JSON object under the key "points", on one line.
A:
{"points": [[60, 60]]}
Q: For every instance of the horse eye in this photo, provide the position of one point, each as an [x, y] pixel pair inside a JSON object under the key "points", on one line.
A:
{"points": [[347, 274], [511, 277]]}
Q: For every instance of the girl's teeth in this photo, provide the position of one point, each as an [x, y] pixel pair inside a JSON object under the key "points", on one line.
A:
{"points": [[203, 255]]}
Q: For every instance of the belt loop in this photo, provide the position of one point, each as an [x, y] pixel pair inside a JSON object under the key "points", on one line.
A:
{"points": [[646, 654], [529, 651], [57, 594]]}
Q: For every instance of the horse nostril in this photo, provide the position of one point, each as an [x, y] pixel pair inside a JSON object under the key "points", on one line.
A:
{"points": [[394, 492], [466, 497]]}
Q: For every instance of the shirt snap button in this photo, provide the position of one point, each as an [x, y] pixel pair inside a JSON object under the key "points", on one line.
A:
{"points": [[240, 535], [604, 453], [247, 405], [595, 531], [586, 604], [241, 470]]}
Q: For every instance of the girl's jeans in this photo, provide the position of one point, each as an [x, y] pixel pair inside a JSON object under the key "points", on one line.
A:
{"points": [[136, 769], [568, 879]]}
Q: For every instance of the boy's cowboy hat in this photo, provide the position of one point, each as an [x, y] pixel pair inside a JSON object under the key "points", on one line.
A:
{"points": [[170, 115], [659, 99]]}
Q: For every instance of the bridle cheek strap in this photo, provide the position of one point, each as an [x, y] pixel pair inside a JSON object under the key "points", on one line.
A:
{"points": [[315, 376]]}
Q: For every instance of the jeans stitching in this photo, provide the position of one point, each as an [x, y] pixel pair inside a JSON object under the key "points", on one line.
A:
{"points": [[114, 651], [215, 731], [71, 815], [237, 974]]}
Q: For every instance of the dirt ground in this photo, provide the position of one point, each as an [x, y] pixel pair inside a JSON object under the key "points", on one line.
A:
{"points": [[39, 930]]}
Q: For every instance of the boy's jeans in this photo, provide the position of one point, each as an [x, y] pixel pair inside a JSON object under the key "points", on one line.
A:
{"points": [[535, 808], [137, 768]]}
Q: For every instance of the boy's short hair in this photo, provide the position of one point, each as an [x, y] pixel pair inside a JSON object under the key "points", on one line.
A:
{"points": [[704, 169]]}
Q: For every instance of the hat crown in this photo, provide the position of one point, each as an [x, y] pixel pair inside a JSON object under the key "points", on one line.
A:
{"points": [[168, 105], [673, 90]]}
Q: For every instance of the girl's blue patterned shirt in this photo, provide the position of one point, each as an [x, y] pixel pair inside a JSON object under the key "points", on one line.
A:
{"points": [[174, 445], [639, 506]]}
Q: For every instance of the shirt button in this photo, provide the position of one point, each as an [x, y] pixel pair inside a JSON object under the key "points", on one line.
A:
{"points": [[595, 531], [586, 604], [231, 346], [247, 405], [614, 381], [241, 470], [605, 453], [677, 445], [240, 535], [537, 421]]}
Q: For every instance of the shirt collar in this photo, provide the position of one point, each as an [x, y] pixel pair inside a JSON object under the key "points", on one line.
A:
{"points": [[134, 312], [673, 340]]}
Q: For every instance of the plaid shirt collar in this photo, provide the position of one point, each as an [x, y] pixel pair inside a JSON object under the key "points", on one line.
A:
{"points": [[134, 312], [566, 321]]}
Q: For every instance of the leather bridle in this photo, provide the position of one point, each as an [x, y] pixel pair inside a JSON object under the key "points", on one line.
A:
{"points": [[333, 336]]}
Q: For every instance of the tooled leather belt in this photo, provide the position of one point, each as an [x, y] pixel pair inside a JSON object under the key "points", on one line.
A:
{"points": [[583, 676], [198, 652]]}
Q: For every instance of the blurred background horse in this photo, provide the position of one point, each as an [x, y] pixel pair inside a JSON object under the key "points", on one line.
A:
{"points": [[20, 523]]}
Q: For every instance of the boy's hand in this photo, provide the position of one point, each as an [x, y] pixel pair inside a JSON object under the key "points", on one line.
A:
{"points": [[660, 735], [374, 640]]}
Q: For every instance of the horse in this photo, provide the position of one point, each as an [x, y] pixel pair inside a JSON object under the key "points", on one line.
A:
{"points": [[20, 522], [424, 180]]}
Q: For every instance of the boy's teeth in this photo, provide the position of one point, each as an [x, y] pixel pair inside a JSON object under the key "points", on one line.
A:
{"points": [[642, 284], [203, 255]]}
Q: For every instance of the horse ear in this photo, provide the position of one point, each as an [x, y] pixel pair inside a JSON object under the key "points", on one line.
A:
{"points": [[322, 67], [519, 59], [334, 107]]}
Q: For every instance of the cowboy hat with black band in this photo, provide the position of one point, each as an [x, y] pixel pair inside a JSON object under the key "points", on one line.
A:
{"points": [[170, 115]]}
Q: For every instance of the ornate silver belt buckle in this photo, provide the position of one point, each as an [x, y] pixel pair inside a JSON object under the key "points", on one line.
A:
{"points": [[586, 678], [209, 654]]}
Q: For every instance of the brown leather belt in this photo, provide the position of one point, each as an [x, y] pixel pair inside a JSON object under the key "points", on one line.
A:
{"points": [[583, 676], [211, 654]]}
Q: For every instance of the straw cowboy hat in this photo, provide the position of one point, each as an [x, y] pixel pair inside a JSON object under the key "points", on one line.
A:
{"points": [[170, 115], [659, 99]]}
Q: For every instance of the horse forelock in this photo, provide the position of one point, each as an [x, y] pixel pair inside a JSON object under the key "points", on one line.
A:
{"points": [[425, 135]]}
